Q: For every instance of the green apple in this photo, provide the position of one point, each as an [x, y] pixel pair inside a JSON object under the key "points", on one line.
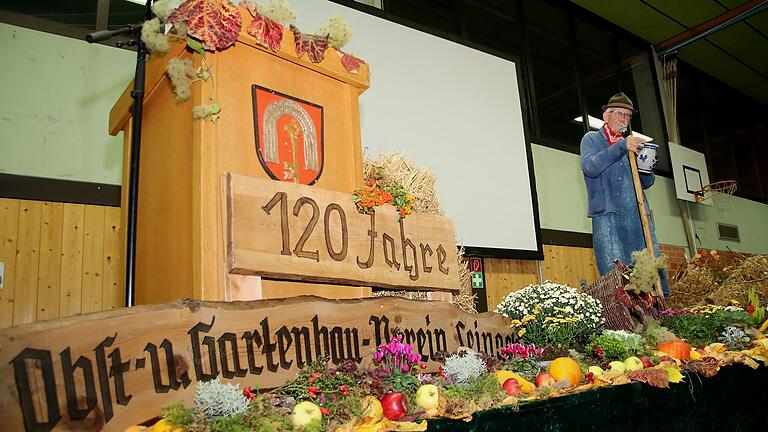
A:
{"points": [[618, 366], [596, 371], [305, 413], [427, 396], [633, 364]]}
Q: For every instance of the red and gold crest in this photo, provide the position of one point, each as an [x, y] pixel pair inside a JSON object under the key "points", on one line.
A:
{"points": [[289, 136]]}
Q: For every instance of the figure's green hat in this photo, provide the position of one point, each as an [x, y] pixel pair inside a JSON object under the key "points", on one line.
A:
{"points": [[620, 100]]}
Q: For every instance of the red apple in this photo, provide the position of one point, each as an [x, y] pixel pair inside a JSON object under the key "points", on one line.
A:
{"points": [[395, 405], [512, 387], [666, 358], [544, 379], [646, 361]]}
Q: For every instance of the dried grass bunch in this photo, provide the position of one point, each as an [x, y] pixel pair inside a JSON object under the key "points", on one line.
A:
{"points": [[420, 182], [723, 281]]}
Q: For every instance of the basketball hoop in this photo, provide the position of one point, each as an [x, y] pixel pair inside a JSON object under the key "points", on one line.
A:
{"points": [[716, 193]]}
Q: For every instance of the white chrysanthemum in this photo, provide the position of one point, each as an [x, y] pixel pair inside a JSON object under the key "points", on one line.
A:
{"points": [[555, 301], [220, 400]]}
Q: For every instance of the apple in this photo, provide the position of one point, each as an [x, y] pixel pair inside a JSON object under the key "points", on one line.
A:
{"points": [[428, 396], [666, 358], [512, 387], [633, 364], [395, 405], [305, 413], [647, 362], [617, 366], [544, 379], [596, 371]]}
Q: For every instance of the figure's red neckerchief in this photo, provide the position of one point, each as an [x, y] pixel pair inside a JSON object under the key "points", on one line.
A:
{"points": [[612, 137]]}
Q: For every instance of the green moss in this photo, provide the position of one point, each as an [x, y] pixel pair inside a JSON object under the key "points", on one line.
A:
{"points": [[176, 414], [484, 390]]}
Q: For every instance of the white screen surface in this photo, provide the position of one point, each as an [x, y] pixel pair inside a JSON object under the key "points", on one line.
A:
{"points": [[451, 109]]}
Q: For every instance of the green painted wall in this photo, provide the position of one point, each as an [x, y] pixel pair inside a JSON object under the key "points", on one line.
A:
{"points": [[563, 206], [54, 109]]}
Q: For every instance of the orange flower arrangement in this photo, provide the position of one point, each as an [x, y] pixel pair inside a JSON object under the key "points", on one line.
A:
{"points": [[376, 193]]}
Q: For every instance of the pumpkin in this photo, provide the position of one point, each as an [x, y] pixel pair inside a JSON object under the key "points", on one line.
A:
{"points": [[526, 386], [565, 368], [676, 348]]}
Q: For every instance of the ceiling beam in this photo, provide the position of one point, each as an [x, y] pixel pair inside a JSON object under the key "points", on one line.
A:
{"points": [[711, 26], [102, 15]]}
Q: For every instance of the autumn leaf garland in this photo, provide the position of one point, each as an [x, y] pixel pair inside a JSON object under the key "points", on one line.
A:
{"points": [[216, 23]]}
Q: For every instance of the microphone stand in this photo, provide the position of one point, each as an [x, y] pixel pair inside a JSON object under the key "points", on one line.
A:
{"points": [[133, 176], [642, 208]]}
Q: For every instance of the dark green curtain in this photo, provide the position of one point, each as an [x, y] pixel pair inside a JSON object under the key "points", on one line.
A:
{"points": [[736, 399]]}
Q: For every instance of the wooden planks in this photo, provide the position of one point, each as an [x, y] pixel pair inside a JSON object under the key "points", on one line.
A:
{"points": [[503, 276], [27, 260], [49, 273], [114, 295], [9, 224], [93, 254], [72, 260], [60, 260], [566, 264]]}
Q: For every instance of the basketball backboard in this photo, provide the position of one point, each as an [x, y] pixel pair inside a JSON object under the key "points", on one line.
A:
{"points": [[689, 169]]}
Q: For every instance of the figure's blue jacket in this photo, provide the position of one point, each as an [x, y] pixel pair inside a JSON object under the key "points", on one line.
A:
{"points": [[606, 173]]}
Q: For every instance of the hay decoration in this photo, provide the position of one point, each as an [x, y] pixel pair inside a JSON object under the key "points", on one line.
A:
{"points": [[394, 168], [420, 182], [713, 279]]}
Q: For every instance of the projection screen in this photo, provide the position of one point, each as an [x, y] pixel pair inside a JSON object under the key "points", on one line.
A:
{"points": [[453, 109]]}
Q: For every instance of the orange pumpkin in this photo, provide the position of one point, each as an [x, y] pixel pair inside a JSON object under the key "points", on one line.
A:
{"points": [[676, 348], [565, 368]]}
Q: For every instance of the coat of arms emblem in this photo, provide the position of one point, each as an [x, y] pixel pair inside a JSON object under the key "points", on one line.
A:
{"points": [[289, 136]]}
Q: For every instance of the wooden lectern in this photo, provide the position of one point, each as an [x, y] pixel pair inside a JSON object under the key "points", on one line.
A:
{"points": [[180, 250]]}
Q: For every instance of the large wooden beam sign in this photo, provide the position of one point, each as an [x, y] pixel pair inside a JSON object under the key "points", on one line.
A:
{"points": [[108, 370], [292, 231]]}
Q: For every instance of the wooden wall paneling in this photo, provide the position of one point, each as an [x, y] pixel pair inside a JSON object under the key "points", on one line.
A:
{"points": [[113, 292], [503, 276], [49, 274], [566, 264], [27, 261], [71, 294], [93, 259], [9, 227]]}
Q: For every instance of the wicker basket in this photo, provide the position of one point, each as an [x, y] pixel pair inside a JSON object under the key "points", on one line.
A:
{"points": [[622, 309]]}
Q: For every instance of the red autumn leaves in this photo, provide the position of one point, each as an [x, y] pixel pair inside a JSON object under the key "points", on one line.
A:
{"points": [[217, 24]]}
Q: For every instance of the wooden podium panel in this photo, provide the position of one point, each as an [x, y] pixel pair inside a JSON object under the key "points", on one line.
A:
{"points": [[180, 238]]}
